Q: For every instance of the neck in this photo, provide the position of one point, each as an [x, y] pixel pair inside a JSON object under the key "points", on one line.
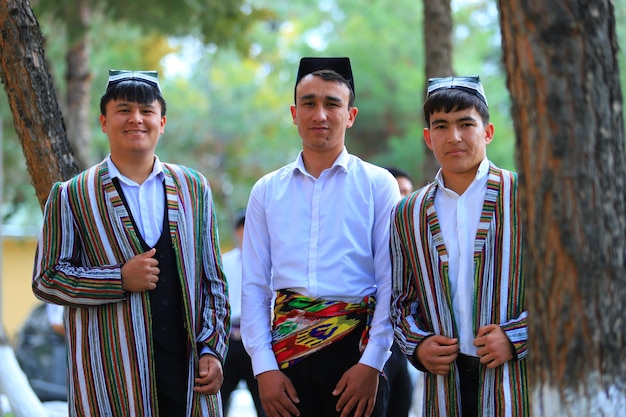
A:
{"points": [[316, 162], [458, 182], [136, 169]]}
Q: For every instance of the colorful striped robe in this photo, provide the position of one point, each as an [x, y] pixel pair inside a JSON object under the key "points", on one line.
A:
{"points": [[422, 303], [87, 235]]}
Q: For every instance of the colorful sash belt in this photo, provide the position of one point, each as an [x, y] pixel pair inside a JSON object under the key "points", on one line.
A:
{"points": [[304, 325]]}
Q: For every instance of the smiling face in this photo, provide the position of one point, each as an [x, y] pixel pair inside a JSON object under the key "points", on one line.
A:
{"points": [[132, 128], [322, 114], [459, 142]]}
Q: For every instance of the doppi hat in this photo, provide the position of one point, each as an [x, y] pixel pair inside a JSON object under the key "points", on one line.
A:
{"points": [[148, 77], [470, 84], [340, 65]]}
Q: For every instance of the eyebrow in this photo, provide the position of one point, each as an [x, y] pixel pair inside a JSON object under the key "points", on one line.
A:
{"points": [[329, 98], [459, 120]]}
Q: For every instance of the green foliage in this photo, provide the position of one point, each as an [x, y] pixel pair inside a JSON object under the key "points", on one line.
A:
{"points": [[228, 112]]}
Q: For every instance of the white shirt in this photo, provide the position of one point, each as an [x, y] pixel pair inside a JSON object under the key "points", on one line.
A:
{"points": [[325, 237], [231, 264], [459, 216], [146, 201]]}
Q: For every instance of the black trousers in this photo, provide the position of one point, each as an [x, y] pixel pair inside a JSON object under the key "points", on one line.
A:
{"points": [[237, 367], [171, 377], [400, 384], [468, 368], [316, 376]]}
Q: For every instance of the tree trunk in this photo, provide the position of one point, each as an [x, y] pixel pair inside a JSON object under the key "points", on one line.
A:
{"points": [[563, 77], [30, 92], [438, 47], [78, 79]]}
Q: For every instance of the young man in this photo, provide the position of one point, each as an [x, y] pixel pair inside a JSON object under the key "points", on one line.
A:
{"points": [[397, 368], [237, 366], [130, 248], [317, 234], [458, 291]]}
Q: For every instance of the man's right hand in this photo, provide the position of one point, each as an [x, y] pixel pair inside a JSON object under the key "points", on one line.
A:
{"points": [[278, 395], [141, 272], [436, 353]]}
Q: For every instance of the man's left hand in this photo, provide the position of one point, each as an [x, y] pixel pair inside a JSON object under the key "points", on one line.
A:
{"points": [[357, 391], [494, 347], [210, 375]]}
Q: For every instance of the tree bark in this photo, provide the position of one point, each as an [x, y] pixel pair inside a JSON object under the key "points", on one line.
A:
{"points": [[30, 91], [78, 78], [561, 62], [438, 47]]}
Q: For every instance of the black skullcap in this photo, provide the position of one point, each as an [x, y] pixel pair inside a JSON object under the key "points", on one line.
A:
{"points": [[470, 84], [340, 65], [148, 77]]}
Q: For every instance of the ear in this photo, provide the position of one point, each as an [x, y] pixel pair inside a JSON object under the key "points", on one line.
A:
{"points": [[489, 132], [163, 121], [103, 123], [427, 138], [293, 114], [352, 112]]}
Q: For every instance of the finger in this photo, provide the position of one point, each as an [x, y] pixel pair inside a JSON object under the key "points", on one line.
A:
{"points": [[149, 253]]}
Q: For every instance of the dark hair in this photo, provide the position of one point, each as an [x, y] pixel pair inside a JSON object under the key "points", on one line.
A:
{"points": [[398, 173], [332, 76], [133, 91], [240, 219], [450, 100]]}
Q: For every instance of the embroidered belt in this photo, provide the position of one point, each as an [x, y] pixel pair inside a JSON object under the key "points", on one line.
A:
{"points": [[304, 325]]}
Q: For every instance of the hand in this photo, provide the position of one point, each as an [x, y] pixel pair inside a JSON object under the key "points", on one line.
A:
{"points": [[494, 347], [357, 391], [210, 375], [278, 395], [141, 272], [436, 353]]}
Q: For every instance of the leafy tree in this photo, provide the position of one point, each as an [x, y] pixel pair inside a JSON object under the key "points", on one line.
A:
{"points": [[561, 61], [212, 21]]}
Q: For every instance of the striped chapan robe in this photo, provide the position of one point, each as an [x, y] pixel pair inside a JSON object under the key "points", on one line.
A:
{"points": [[86, 237], [422, 302]]}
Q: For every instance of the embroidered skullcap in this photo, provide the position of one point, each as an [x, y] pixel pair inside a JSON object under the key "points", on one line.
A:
{"points": [[470, 84], [148, 77], [340, 65]]}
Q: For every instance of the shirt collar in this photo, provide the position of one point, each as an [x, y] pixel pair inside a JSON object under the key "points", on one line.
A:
{"points": [[342, 161], [157, 171]]}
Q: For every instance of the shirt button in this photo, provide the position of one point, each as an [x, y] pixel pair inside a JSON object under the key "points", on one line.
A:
{"points": [[164, 302]]}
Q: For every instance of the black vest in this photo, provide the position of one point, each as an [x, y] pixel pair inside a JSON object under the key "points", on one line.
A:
{"points": [[166, 306]]}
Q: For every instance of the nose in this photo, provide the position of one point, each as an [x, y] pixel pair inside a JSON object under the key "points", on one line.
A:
{"points": [[319, 113], [455, 135], [135, 116]]}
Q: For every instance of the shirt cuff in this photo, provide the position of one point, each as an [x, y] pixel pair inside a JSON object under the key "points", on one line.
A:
{"points": [[374, 356], [264, 361]]}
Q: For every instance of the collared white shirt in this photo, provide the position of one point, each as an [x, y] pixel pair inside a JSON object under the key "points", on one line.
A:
{"points": [[325, 237], [146, 201], [231, 265], [459, 216]]}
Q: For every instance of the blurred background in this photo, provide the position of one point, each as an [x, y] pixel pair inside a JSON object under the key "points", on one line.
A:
{"points": [[227, 73]]}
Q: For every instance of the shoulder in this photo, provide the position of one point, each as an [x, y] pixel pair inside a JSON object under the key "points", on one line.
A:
{"points": [[371, 172], [184, 174], [277, 176]]}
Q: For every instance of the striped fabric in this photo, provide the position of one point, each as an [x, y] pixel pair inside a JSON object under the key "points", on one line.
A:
{"points": [[87, 235], [422, 303], [304, 325]]}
